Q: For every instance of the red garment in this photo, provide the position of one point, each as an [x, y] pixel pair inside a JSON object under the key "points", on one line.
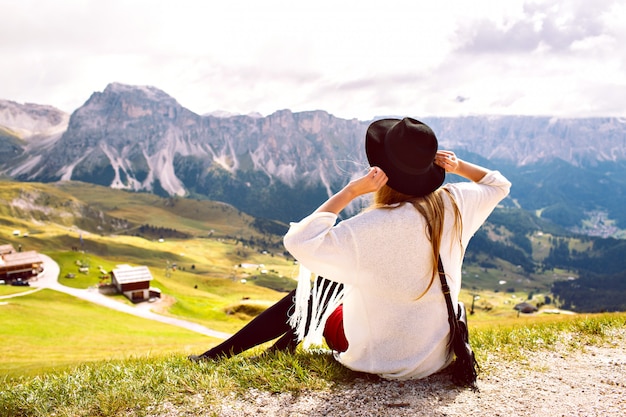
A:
{"points": [[333, 331]]}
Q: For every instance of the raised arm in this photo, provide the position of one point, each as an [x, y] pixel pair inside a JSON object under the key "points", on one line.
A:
{"points": [[372, 181], [452, 164]]}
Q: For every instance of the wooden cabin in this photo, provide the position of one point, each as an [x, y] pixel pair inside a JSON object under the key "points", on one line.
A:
{"points": [[134, 282], [19, 265]]}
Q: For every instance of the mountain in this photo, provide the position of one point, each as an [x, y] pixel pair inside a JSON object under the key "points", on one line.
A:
{"points": [[524, 141], [282, 166], [26, 128], [32, 120]]}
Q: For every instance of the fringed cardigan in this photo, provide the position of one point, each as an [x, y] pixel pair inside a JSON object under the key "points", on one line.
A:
{"points": [[383, 258]]}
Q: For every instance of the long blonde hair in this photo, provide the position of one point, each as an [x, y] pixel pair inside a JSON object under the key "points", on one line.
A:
{"points": [[432, 208]]}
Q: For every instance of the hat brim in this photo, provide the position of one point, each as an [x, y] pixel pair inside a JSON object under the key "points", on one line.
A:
{"points": [[415, 185]]}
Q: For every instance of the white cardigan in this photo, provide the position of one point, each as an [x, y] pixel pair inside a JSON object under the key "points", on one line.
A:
{"points": [[383, 257]]}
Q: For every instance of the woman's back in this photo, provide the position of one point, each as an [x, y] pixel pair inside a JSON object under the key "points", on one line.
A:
{"points": [[384, 258]]}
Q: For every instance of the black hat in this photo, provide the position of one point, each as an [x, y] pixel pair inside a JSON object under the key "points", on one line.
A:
{"points": [[405, 150]]}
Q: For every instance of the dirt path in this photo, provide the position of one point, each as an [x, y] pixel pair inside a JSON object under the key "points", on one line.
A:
{"points": [[50, 279], [555, 383]]}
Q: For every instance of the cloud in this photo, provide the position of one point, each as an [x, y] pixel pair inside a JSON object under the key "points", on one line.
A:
{"points": [[556, 27], [349, 58]]}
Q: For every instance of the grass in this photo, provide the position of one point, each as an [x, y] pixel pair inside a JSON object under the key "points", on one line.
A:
{"points": [[132, 387], [47, 330], [512, 340], [10, 290]]}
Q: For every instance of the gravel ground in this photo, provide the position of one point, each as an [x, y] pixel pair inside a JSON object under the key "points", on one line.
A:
{"points": [[591, 382]]}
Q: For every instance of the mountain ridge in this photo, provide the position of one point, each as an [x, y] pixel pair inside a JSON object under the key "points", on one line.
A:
{"points": [[139, 138]]}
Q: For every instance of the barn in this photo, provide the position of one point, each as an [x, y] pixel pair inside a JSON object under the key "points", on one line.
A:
{"points": [[19, 265], [134, 282]]}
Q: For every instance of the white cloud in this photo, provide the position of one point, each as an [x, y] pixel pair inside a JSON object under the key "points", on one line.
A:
{"points": [[351, 58]]}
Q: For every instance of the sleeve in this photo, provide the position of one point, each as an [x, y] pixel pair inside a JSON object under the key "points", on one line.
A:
{"points": [[322, 247], [476, 200]]}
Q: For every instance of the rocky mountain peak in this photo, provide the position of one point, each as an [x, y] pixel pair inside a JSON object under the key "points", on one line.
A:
{"points": [[124, 102], [29, 119]]}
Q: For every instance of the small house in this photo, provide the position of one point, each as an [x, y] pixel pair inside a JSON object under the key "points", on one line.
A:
{"points": [[134, 282], [19, 265]]}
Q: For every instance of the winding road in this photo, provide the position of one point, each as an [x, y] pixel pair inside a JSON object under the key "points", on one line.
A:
{"points": [[50, 279]]}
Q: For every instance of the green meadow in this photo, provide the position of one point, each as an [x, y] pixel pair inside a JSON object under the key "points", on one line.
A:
{"points": [[49, 330], [46, 330]]}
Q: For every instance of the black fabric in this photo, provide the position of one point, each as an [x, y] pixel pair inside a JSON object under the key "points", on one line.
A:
{"points": [[270, 324], [465, 367], [405, 150]]}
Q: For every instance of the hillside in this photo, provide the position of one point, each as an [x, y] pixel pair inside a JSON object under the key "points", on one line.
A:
{"points": [[206, 258], [515, 253], [95, 209]]}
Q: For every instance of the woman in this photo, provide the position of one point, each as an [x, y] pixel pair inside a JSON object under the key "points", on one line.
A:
{"points": [[392, 317]]}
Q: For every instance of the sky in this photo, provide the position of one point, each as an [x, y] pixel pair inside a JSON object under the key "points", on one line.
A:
{"points": [[354, 59]]}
